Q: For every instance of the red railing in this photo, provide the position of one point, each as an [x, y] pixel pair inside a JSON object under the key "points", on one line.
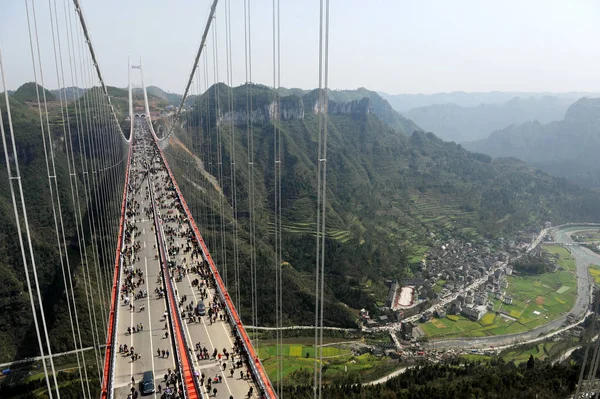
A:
{"points": [[181, 348], [255, 363], [107, 378]]}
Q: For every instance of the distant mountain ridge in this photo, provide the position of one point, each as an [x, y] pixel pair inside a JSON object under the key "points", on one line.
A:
{"points": [[567, 148], [456, 123], [406, 102]]}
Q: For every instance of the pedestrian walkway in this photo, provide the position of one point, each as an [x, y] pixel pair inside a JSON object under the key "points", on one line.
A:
{"points": [[144, 333], [141, 321]]}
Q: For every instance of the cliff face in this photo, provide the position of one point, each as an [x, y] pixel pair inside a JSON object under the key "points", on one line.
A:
{"points": [[291, 108], [360, 107]]}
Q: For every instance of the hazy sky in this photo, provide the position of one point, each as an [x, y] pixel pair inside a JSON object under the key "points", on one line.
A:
{"points": [[397, 46]]}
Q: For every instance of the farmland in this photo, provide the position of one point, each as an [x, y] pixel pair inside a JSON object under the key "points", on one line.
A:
{"points": [[595, 272], [536, 300], [299, 359]]}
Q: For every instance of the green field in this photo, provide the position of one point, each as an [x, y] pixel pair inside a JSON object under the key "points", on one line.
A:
{"points": [[550, 294], [595, 272], [540, 352], [297, 367]]}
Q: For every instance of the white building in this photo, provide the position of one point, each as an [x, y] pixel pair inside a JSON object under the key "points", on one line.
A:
{"points": [[474, 313]]}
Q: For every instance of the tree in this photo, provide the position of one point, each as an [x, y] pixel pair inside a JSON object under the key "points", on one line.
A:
{"points": [[530, 362]]}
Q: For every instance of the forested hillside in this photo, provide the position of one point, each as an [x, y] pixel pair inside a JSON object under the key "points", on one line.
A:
{"points": [[459, 379], [567, 148], [387, 191], [16, 318]]}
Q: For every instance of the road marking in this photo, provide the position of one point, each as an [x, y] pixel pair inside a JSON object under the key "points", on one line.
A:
{"points": [[149, 318], [131, 335], [189, 335], [145, 247]]}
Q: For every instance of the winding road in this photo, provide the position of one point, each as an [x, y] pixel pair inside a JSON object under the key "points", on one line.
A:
{"points": [[583, 258]]}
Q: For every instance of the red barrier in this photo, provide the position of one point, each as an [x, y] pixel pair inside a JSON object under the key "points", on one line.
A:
{"points": [[181, 347], [115, 287], [262, 375]]}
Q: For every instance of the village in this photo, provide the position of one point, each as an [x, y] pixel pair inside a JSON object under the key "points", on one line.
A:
{"points": [[454, 278]]}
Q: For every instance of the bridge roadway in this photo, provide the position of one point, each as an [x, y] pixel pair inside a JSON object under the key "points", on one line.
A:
{"points": [[139, 254], [194, 286], [216, 335]]}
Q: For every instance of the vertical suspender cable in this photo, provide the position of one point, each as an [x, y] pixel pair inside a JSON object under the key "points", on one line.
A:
{"points": [[250, 145], [322, 108], [66, 127], [223, 257], [277, 191], [236, 264], [82, 100], [324, 188], [80, 128], [17, 178]]}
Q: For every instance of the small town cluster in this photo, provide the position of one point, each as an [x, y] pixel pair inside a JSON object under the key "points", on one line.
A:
{"points": [[455, 277]]}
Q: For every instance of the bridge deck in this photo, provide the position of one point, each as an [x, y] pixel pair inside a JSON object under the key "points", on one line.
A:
{"points": [[152, 337], [193, 285]]}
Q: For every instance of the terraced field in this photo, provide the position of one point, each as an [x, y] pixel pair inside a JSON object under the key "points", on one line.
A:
{"points": [[310, 228], [443, 212]]}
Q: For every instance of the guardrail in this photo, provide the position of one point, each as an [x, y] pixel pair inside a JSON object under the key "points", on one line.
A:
{"points": [[192, 389], [110, 353], [255, 363]]}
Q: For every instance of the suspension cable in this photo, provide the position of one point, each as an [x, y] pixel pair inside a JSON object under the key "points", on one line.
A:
{"points": [[11, 179], [97, 66], [322, 108], [66, 129], [211, 14], [250, 145], [236, 264], [277, 193]]}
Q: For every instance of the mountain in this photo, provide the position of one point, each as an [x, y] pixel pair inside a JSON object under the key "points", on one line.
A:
{"points": [[456, 123], [28, 93], [567, 148], [406, 102], [171, 98], [381, 108], [72, 93], [386, 192]]}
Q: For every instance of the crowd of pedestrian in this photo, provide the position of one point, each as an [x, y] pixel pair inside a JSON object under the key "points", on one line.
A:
{"points": [[187, 260]]}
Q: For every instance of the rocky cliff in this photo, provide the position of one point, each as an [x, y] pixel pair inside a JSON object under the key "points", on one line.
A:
{"points": [[291, 108]]}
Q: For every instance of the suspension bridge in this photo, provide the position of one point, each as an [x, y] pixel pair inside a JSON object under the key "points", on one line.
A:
{"points": [[94, 192], [136, 274]]}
